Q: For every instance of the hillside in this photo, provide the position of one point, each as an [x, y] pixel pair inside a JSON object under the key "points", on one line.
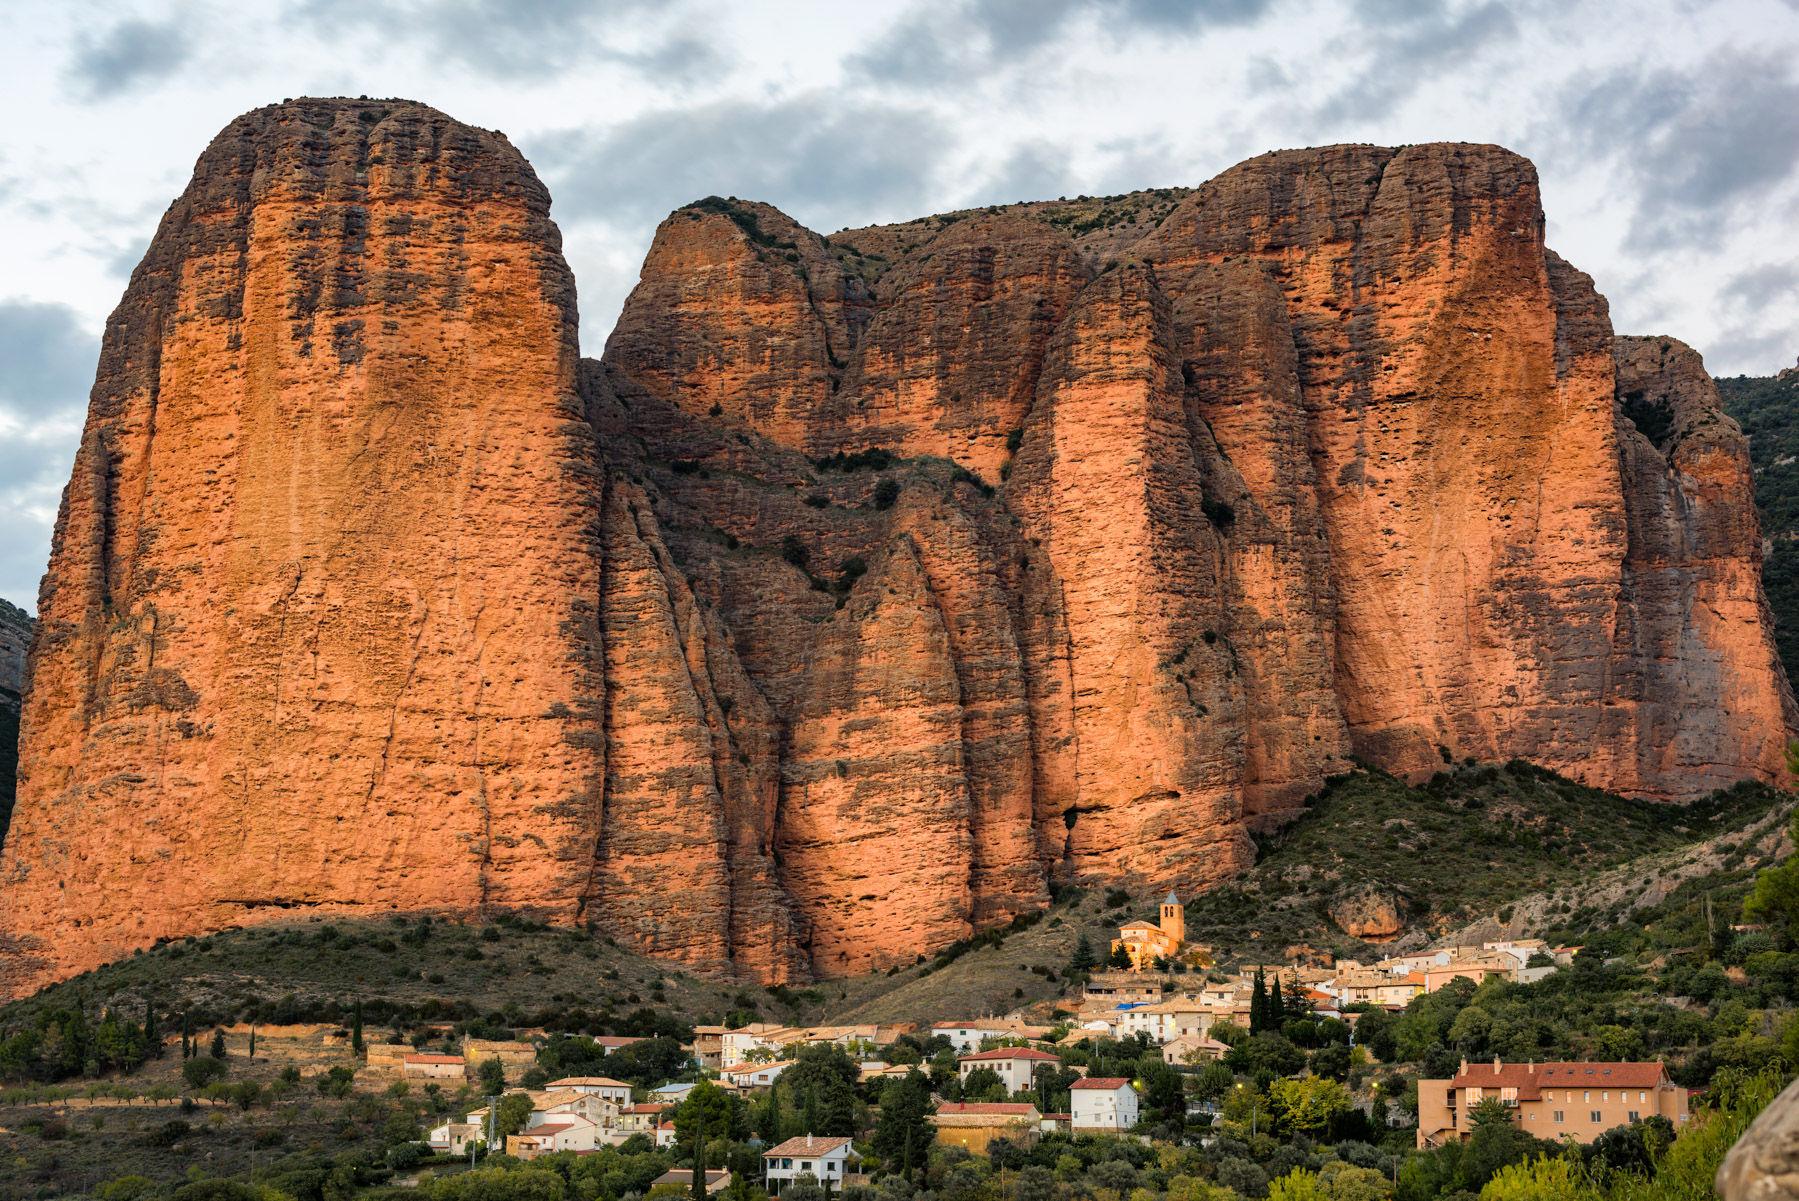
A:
{"points": [[1767, 407], [1475, 843]]}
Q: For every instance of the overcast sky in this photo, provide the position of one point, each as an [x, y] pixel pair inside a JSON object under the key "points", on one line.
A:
{"points": [[1666, 134]]}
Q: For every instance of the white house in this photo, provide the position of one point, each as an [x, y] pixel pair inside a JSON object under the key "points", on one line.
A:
{"points": [[615, 1091], [1108, 1103], [550, 1132], [824, 1159], [1014, 1065], [967, 1036], [454, 1137], [755, 1075]]}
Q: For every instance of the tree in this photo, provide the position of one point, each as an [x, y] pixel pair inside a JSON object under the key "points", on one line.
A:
{"points": [[187, 1036], [356, 1027], [201, 1071], [710, 1108], [491, 1077], [1083, 959], [1120, 959], [1258, 1004], [1163, 1092], [1297, 1185], [510, 1118], [252, 1040], [218, 1044], [904, 1134], [152, 1037], [1552, 1178], [1306, 1106], [983, 1084], [1776, 896]]}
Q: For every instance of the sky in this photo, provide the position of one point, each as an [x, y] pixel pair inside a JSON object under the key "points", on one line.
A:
{"points": [[1665, 133]]}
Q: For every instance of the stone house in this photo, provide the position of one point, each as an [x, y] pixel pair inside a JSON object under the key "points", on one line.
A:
{"points": [[974, 1124], [433, 1067], [615, 1091]]}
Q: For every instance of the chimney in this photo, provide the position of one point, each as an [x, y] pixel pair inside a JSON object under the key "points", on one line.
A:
{"points": [[1496, 1065], [1531, 1068], [1464, 1063]]}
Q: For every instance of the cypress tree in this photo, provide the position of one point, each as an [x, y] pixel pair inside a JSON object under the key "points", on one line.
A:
{"points": [[187, 1036], [252, 1040], [218, 1044], [699, 1158], [152, 1039], [1258, 1005], [1277, 1004], [356, 1027]]}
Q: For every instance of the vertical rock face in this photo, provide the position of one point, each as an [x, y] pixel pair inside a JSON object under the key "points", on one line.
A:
{"points": [[866, 585], [15, 638], [320, 625]]}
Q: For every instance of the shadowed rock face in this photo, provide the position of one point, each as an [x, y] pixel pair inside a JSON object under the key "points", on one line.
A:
{"points": [[369, 594]]}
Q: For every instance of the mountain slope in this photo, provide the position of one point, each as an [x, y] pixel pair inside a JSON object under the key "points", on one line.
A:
{"points": [[1767, 407]]}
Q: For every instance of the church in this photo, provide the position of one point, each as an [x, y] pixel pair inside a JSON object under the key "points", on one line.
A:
{"points": [[1145, 942]]}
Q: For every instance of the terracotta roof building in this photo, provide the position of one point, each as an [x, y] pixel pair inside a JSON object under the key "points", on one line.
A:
{"points": [[1550, 1100], [974, 1124]]}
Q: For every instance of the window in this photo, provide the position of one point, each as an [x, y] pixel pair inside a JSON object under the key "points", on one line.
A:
{"points": [[1642, 1096], [1597, 1117], [1636, 1116], [806, 1166], [1587, 1096], [1472, 1095], [1559, 1116]]}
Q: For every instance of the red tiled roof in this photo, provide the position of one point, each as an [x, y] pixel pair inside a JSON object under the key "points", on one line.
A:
{"points": [[434, 1059], [1105, 1082], [534, 1131], [1019, 1108], [807, 1146], [1008, 1053], [1531, 1079]]}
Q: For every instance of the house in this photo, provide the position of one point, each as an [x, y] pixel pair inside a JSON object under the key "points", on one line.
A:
{"points": [[548, 1133], [615, 1091], [825, 1159], [1103, 1104], [709, 1046], [1190, 1050], [1145, 942], [1550, 1100], [614, 1042], [967, 1036], [755, 1075], [1056, 1123], [1015, 1066], [453, 1138], [735, 1045], [974, 1124], [597, 1109], [716, 1178], [641, 1119], [665, 1134], [476, 1051], [1119, 988], [1475, 970], [672, 1094], [432, 1067]]}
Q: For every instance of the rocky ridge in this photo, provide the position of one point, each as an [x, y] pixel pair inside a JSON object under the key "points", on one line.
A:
{"points": [[865, 586]]}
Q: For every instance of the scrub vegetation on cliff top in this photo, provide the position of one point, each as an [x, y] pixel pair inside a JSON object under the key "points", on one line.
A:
{"points": [[1767, 407]]}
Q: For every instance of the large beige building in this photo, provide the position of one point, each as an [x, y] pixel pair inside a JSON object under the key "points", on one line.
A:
{"points": [[1550, 1100], [1146, 942]]}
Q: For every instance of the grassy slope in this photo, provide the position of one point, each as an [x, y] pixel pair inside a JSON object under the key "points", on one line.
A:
{"points": [[1768, 410], [1472, 843]]}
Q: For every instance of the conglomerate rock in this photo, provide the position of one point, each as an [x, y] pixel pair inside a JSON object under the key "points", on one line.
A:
{"points": [[865, 587]]}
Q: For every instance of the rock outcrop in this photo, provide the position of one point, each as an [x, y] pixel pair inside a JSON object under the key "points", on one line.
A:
{"points": [[15, 640], [865, 586]]}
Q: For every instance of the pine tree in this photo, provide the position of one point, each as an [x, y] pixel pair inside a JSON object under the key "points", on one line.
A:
{"points": [[218, 1044], [1082, 960], [356, 1027]]}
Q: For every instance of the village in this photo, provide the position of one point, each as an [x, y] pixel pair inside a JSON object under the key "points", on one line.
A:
{"points": [[1158, 993]]}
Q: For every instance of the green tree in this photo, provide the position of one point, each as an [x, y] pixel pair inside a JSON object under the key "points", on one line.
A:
{"points": [[491, 1077], [1258, 1004], [356, 1027], [510, 1118], [218, 1044], [1307, 1105], [1083, 959], [710, 1108], [252, 1040], [201, 1071], [1775, 900], [1120, 959], [904, 1134], [983, 1084]]}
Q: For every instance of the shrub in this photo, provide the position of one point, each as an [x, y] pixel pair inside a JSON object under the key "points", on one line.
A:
{"points": [[201, 1072]]}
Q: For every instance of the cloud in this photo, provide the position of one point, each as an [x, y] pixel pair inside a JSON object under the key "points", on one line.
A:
{"points": [[947, 41], [46, 361], [1761, 287], [1697, 144], [524, 39], [128, 56], [1403, 44], [813, 156]]}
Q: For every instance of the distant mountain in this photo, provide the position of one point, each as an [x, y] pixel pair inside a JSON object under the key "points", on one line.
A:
{"points": [[15, 637], [1767, 407]]}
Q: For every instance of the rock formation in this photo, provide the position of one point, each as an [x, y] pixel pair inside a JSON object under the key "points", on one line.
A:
{"points": [[15, 638], [864, 586]]}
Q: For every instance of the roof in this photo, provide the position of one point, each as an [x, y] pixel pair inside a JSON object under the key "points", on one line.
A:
{"points": [[534, 1131], [1008, 1053], [646, 1107], [615, 1040], [685, 1176], [1531, 1079], [588, 1081], [1012, 1108], [750, 1069], [807, 1146], [434, 1059], [1106, 1082], [1172, 900]]}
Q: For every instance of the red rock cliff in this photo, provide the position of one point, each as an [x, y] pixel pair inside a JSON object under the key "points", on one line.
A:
{"points": [[866, 584]]}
